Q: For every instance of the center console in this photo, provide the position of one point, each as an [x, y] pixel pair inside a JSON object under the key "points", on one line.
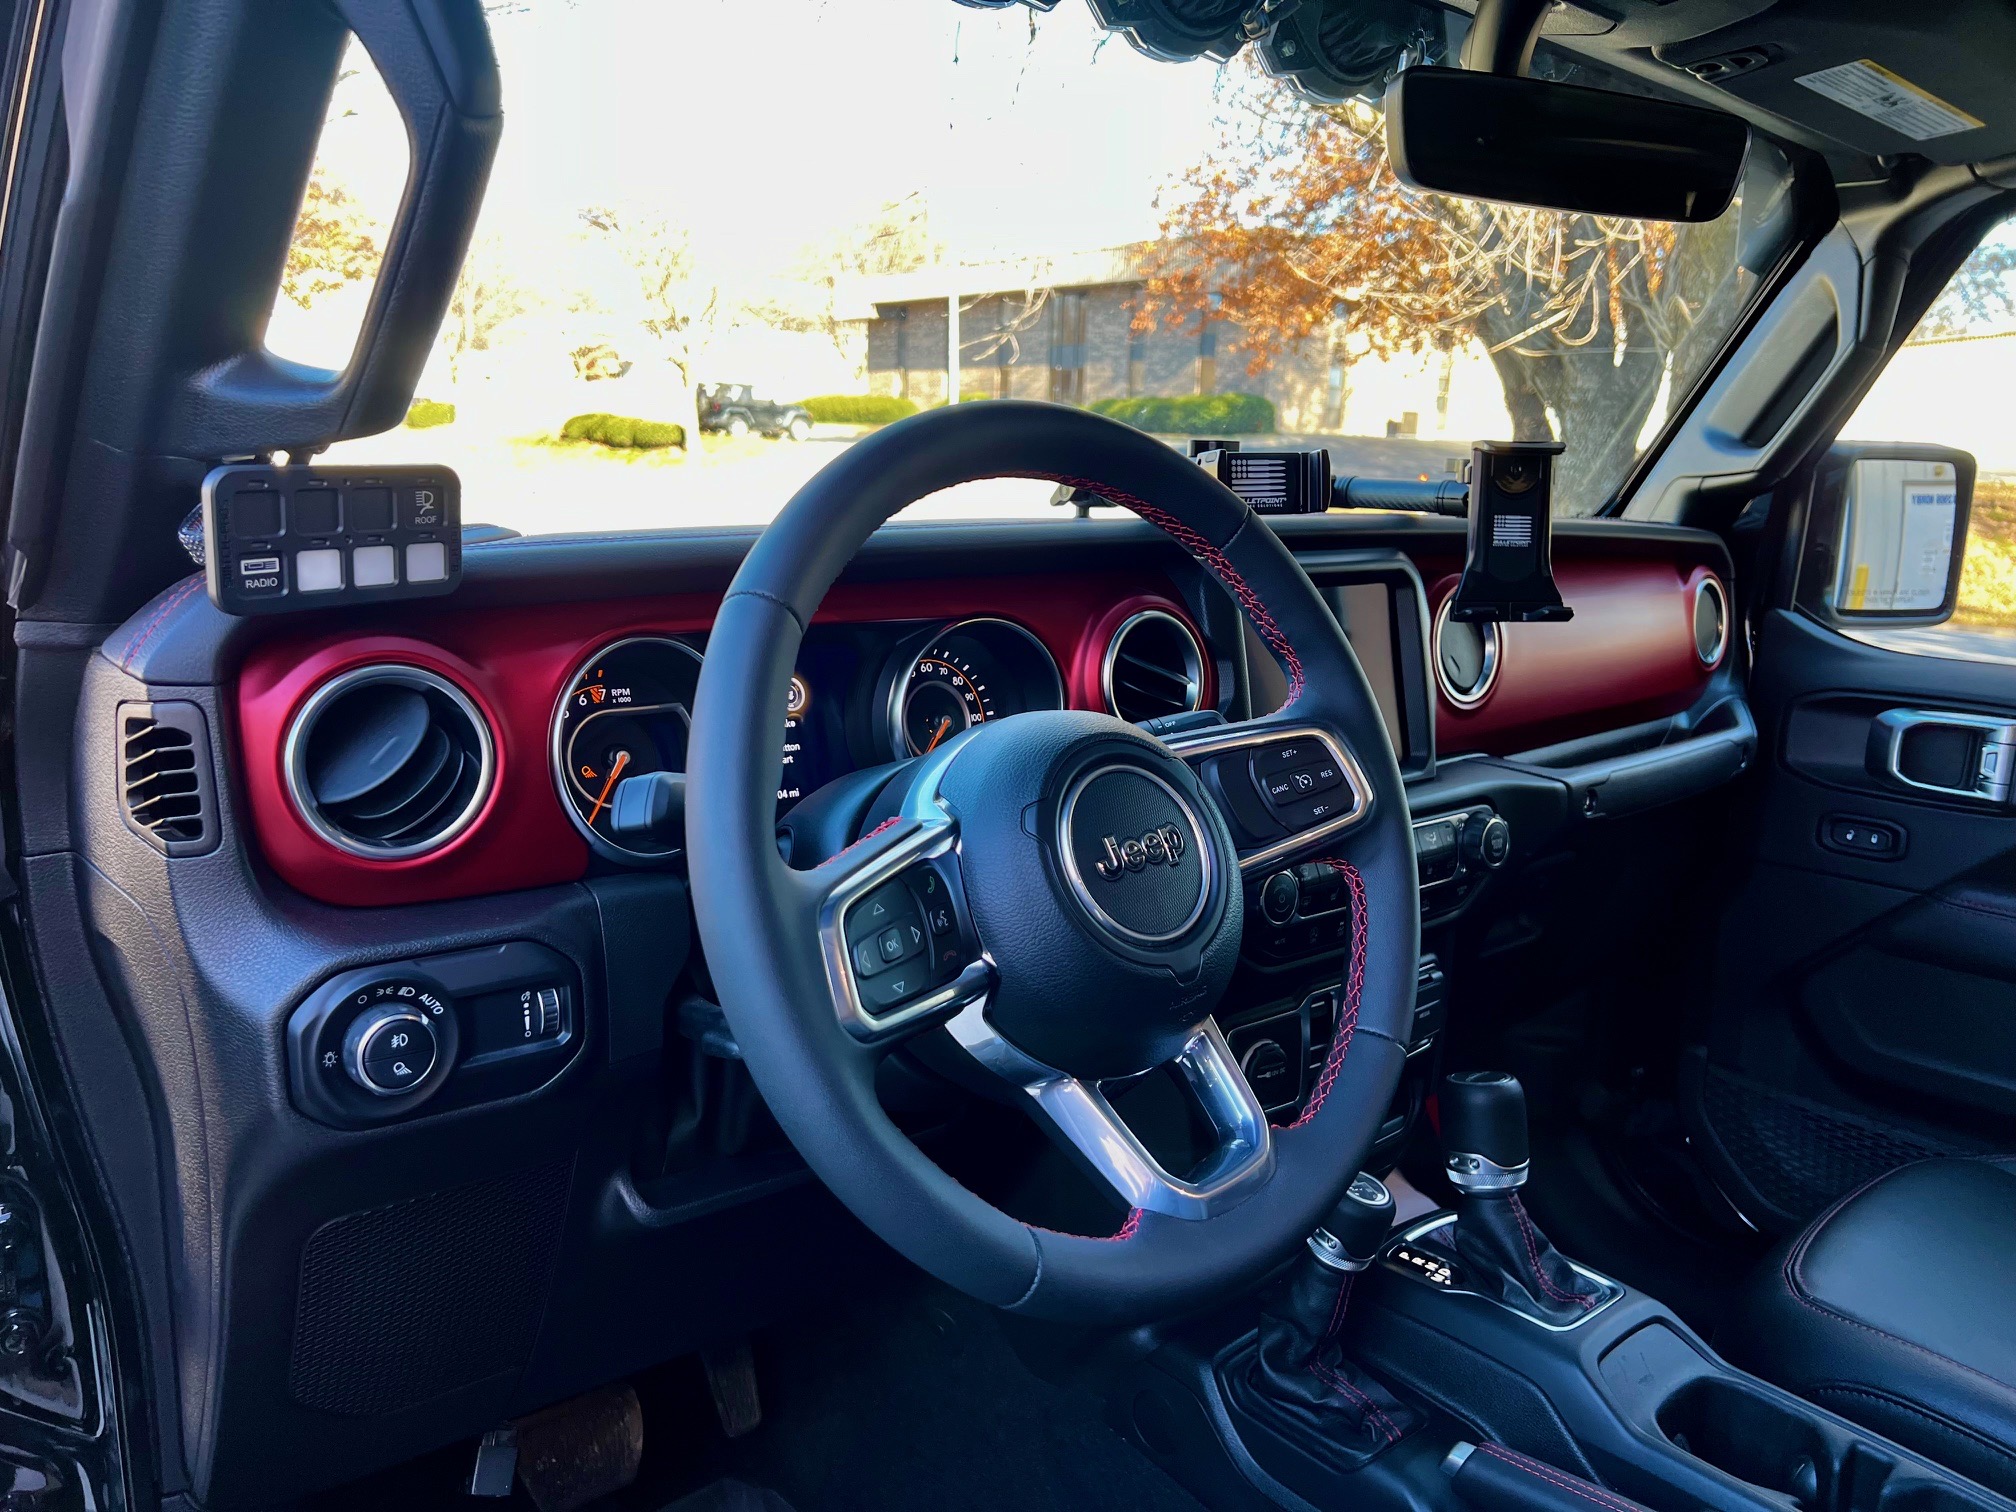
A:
{"points": [[1435, 1370]]}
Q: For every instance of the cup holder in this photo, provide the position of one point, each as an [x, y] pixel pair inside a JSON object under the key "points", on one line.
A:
{"points": [[1804, 1462]]}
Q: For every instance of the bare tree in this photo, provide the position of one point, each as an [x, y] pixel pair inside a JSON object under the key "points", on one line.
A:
{"points": [[486, 299], [679, 309]]}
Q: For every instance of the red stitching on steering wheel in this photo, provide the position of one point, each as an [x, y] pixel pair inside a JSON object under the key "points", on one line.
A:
{"points": [[1354, 991], [1220, 564]]}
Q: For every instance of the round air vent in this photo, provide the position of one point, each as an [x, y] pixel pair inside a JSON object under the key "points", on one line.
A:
{"points": [[1466, 658], [1154, 666], [388, 762], [1711, 621]]}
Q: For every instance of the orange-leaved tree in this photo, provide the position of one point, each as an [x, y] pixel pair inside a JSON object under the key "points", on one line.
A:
{"points": [[1295, 230]]}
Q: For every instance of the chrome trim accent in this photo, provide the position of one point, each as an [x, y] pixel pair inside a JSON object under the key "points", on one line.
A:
{"points": [[601, 844], [1421, 1228], [1242, 1162], [1193, 673], [293, 753], [1240, 737], [1710, 584], [1995, 774], [1493, 655], [1477, 1173], [1457, 1457], [927, 841], [1328, 1252], [899, 687], [357, 1057], [1199, 837]]}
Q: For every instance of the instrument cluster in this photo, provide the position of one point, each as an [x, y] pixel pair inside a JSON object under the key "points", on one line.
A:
{"points": [[861, 695]]}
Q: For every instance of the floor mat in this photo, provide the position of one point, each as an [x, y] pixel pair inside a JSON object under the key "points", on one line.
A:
{"points": [[731, 1496], [916, 1401]]}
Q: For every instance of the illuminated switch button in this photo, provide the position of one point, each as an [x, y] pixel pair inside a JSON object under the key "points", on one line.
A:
{"points": [[313, 512], [318, 571], [373, 566], [423, 509], [255, 516], [426, 562], [370, 509]]}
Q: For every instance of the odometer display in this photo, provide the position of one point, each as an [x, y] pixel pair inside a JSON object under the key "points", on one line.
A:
{"points": [[626, 712]]}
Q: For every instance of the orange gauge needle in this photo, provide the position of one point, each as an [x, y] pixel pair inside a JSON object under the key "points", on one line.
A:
{"points": [[615, 770], [943, 726]]}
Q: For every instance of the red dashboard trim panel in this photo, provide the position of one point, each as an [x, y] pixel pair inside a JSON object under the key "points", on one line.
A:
{"points": [[512, 664], [1627, 656]]}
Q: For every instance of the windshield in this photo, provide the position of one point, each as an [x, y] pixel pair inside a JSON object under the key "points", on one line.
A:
{"points": [[693, 284]]}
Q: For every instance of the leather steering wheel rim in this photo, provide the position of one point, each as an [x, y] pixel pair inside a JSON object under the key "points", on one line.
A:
{"points": [[820, 1084]]}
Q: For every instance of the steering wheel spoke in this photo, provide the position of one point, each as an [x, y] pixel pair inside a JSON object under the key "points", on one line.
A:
{"points": [[1286, 786], [895, 937], [1239, 1163]]}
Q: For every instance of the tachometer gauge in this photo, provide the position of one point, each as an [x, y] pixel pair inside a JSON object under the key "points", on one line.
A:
{"points": [[946, 681], [943, 697], [625, 713]]}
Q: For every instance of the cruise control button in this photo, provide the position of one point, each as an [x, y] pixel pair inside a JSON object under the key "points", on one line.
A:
{"points": [[1279, 788], [1322, 777], [1311, 811], [1269, 760]]}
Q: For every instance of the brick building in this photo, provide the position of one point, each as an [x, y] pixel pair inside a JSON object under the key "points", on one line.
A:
{"points": [[1063, 328]]}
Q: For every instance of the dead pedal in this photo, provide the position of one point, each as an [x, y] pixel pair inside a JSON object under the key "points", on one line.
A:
{"points": [[575, 1452], [731, 1380]]}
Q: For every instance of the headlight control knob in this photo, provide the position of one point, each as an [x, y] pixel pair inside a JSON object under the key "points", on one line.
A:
{"points": [[390, 1049]]}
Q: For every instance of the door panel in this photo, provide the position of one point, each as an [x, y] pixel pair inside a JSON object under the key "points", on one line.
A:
{"points": [[1864, 1002]]}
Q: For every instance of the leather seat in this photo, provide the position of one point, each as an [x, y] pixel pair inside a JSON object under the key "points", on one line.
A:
{"points": [[1897, 1308]]}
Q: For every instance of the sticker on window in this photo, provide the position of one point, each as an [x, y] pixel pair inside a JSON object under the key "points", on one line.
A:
{"points": [[1889, 100]]}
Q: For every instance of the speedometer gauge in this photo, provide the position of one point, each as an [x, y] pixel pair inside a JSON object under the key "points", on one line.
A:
{"points": [[945, 695], [946, 681], [625, 713]]}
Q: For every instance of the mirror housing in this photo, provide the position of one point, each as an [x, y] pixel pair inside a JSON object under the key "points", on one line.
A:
{"points": [[1886, 534], [1562, 147]]}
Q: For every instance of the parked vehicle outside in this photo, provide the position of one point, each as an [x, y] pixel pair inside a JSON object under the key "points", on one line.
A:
{"points": [[735, 409]]}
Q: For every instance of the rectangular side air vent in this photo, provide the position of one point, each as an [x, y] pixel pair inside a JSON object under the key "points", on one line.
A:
{"points": [[166, 794]]}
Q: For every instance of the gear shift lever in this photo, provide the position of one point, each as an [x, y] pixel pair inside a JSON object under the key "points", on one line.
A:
{"points": [[1299, 1379], [1484, 1130]]}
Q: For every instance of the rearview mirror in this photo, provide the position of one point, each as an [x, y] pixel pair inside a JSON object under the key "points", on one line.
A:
{"points": [[1561, 147], [1887, 534]]}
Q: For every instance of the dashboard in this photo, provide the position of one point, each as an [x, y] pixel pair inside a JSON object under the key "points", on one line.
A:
{"points": [[397, 822]]}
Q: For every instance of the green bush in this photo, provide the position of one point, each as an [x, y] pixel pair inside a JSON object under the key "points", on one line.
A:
{"points": [[859, 409], [623, 432], [1193, 414], [429, 412]]}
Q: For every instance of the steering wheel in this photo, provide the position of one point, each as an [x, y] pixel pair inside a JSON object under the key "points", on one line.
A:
{"points": [[1065, 894]]}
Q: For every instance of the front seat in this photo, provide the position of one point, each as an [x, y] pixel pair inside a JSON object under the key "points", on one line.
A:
{"points": [[1897, 1308]]}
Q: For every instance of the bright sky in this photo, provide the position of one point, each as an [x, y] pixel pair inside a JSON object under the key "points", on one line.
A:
{"points": [[761, 127]]}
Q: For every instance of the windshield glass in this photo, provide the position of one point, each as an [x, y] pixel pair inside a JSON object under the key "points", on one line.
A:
{"points": [[715, 252]]}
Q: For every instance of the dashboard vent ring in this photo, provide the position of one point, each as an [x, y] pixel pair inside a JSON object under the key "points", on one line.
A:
{"points": [[1711, 621], [389, 762], [1467, 657], [1154, 666]]}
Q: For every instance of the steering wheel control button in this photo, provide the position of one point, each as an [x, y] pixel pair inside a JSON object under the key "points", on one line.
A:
{"points": [[1135, 853], [867, 959], [1285, 756], [891, 945]]}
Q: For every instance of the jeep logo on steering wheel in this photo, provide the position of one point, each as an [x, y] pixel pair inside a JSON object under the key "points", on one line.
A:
{"points": [[1161, 846]]}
